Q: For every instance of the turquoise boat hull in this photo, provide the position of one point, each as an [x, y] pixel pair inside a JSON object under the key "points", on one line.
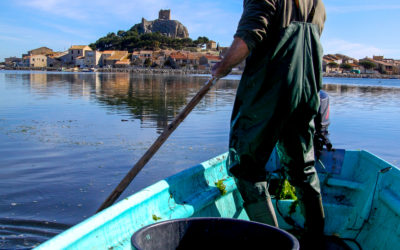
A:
{"points": [[360, 195]]}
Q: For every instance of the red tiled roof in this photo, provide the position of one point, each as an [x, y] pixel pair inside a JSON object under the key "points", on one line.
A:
{"points": [[211, 57]]}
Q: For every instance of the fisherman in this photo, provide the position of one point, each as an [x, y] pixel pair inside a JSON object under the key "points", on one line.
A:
{"points": [[276, 102]]}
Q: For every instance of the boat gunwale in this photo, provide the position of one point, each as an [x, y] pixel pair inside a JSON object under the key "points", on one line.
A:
{"points": [[86, 227]]}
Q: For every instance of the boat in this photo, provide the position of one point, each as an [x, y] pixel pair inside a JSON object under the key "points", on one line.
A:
{"points": [[361, 195]]}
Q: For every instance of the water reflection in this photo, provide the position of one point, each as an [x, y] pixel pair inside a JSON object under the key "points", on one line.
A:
{"points": [[67, 139], [354, 89], [153, 99]]}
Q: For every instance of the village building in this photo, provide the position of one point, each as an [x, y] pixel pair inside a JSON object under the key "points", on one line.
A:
{"points": [[209, 60], [139, 57], [34, 61], [104, 55], [383, 66], [12, 61], [56, 59], [211, 45], [123, 63], [77, 51], [179, 58], [41, 51], [331, 64], [80, 62], [159, 58], [185, 59], [111, 57], [92, 59]]}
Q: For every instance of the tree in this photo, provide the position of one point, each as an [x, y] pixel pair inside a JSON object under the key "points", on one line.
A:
{"points": [[333, 65], [346, 66], [201, 41], [131, 40], [147, 62], [368, 65]]}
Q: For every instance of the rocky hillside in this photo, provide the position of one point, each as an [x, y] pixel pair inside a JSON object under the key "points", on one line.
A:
{"points": [[163, 25], [162, 33], [170, 28]]}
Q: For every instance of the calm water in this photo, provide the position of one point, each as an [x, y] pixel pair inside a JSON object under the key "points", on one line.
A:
{"points": [[66, 140]]}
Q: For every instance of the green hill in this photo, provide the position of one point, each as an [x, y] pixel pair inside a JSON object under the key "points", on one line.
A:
{"points": [[131, 40]]}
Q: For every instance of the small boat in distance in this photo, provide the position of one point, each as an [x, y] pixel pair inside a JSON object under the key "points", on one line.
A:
{"points": [[361, 195]]}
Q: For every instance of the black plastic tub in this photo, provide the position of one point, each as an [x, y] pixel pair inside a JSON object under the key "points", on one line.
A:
{"points": [[212, 233]]}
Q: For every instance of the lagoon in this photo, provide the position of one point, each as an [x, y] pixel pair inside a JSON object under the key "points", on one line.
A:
{"points": [[67, 139]]}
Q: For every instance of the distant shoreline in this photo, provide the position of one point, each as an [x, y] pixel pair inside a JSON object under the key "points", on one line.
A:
{"points": [[351, 75], [196, 72]]}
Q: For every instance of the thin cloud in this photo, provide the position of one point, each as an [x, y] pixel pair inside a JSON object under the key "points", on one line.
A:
{"points": [[94, 11], [356, 50]]}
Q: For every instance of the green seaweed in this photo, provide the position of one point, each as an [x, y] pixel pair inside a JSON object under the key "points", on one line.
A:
{"points": [[221, 186], [156, 218], [286, 191]]}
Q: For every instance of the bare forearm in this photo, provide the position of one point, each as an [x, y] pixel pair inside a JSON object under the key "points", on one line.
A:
{"points": [[235, 55]]}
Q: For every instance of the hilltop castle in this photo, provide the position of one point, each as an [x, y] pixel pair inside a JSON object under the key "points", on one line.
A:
{"points": [[164, 25]]}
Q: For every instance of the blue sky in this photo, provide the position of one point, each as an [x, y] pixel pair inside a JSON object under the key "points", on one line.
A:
{"points": [[357, 28]]}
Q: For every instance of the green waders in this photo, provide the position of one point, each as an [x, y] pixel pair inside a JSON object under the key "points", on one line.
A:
{"points": [[275, 105]]}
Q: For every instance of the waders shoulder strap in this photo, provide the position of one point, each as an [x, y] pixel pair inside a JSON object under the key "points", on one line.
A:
{"points": [[311, 14]]}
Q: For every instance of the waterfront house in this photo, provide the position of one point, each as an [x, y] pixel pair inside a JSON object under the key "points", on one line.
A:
{"points": [[333, 58], [34, 61], [80, 62], [392, 65], [77, 51], [209, 60], [41, 51], [92, 59], [331, 64], [56, 59], [114, 56], [123, 63], [139, 57], [159, 58], [383, 66], [387, 68], [179, 58], [12, 61], [104, 55], [185, 58], [145, 54]]}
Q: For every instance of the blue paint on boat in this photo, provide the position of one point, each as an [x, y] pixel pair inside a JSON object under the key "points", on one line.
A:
{"points": [[360, 195]]}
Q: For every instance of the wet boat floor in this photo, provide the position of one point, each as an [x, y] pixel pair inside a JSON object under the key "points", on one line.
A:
{"points": [[329, 243], [335, 243]]}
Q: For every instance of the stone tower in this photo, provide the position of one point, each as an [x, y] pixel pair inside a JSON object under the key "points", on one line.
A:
{"points": [[164, 15], [164, 25]]}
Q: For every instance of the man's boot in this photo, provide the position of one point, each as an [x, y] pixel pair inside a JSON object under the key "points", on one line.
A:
{"points": [[313, 211], [257, 202]]}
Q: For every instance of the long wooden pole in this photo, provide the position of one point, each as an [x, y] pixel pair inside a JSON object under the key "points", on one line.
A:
{"points": [[156, 145]]}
